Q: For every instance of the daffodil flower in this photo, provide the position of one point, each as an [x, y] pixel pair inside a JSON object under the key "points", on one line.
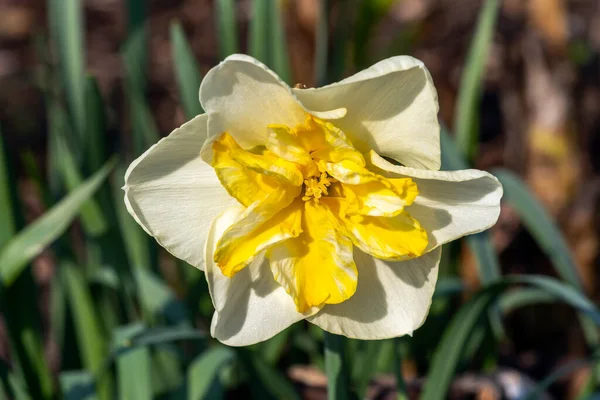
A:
{"points": [[321, 204]]}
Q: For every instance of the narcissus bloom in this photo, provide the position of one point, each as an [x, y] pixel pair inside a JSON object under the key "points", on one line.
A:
{"points": [[320, 204]]}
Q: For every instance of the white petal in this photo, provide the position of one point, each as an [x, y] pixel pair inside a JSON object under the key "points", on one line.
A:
{"points": [[174, 195], [392, 298], [391, 107], [251, 306], [450, 204], [242, 97]]}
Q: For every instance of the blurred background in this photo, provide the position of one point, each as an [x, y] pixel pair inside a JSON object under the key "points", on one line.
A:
{"points": [[92, 308]]}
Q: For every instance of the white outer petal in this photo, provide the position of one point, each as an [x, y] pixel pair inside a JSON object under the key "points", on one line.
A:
{"points": [[392, 108], [251, 306], [242, 97], [174, 195], [392, 298], [450, 204]]}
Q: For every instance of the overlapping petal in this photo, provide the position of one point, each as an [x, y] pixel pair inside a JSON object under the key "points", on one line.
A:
{"points": [[261, 225], [317, 267], [391, 107], [242, 97], [451, 204], [174, 195], [251, 306], [392, 298], [369, 193], [247, 176]]}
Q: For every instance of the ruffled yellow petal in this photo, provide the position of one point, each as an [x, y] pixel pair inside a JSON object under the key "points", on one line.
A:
{"points": [[369, 193], [261, 225], [247, 176], [315, 140], [390, 238], [317, 267]]}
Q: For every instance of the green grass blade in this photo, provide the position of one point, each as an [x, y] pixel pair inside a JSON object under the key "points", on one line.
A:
{"points": [[67, 23], [87, 325], [77, 385], [203, 373], [365, 363], [469, 93], [539, 223], [159, 299], [258, 46], [456, 336], [226, 28], [136, 240], [134, 367], [322, 43], [91, 216], [336, 367], [94, 141], [279, 57], [186, 71], [7, 227], [449, 350], [34, 238], [272, 349]]}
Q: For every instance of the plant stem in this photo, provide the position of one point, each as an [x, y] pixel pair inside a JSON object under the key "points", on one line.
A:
{"points": [[335, 367], [401, 393]]}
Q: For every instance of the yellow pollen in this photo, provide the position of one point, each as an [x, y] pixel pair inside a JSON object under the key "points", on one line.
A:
{"points": [[315, 188]]}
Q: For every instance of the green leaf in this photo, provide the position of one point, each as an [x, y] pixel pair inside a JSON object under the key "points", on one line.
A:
{"points": [[91, 216], [7, 227], [69, 34], [186, 71], [37, 236], [226, 28], [540, 225], [271, 349], [203, 373], [159, 299], [279, 57], [449, 350], [134, 367], [94, 141], [322, 43], [336, 367], [469, 92], [265, 381], [258, 46], [77, 385], [365, 363], [88, 331]]}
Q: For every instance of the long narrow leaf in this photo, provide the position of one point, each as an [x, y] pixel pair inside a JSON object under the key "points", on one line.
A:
{"points": [[450, 349], [91, 341], [470, 87], [278, 53], [134, 369], [258, 46], [203, 373], [540, 224], [226, 28], [186, 71], [7, 227], [67, 23], [33, 239]]}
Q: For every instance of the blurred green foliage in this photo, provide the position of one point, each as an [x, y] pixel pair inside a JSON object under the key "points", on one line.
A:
{"points": [[122, 330]]}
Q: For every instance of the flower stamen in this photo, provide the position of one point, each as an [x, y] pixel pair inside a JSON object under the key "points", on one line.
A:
{"points": [[315, 188]]}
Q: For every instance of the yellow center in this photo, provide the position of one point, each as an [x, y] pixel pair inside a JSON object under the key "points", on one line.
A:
{"points": [[310, 197], [315, 188]]}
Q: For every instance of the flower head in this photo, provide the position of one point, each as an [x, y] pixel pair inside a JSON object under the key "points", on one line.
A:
{"points": [[286, 199]]}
